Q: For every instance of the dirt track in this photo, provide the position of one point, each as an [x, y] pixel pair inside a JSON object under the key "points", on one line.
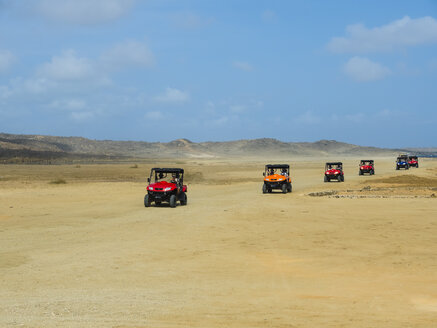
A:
{"points": [[88, 254]]}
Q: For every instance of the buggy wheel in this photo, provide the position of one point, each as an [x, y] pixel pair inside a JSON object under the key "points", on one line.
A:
{"points": [[184, 199], [147, 201], [372, 172], [264, 188], [284, 188], [173, 201], [339, 178], [417, 165], [360, 172], [326, 179], [290, 188], [407, 167], [397, 167]]}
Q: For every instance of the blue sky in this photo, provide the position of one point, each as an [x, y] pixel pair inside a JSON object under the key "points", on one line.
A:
{"points": [[363, 72]]}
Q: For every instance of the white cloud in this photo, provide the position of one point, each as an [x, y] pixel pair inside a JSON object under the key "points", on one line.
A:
{"points": [[400, 33], [244, 66], [389, 114], [6, 60], [221, 120], [432, 64], [355, 118], [257, 103], [69, 104], [83, 12], [172, 95], [308, 118], [363, 69], [5, 92], [237, 108], [130, 53], [190, 20], [210, 107], [268, 16], [66, 67], [36, 85], [19, 86], [154, 115], [82, 116]]}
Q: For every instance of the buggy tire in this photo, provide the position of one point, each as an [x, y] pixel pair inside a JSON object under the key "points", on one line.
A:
{"points": [[407, 167], [284, 188], [372, 172], [147, 201], [172, 201], [397, 167], [290, 187], [339, 178], [184, 199], [265, 188], [417, 165], [326, 179], [342, 178], [360, 172]]}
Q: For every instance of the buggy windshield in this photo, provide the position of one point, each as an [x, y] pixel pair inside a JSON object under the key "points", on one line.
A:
{"points": [[337, 166], [168, 175], [281, 169]]}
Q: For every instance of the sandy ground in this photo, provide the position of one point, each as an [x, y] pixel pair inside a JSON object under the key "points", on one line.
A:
{"points": [[88, 254]]}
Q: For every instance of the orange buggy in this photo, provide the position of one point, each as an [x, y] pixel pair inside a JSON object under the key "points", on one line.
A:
{"points": [[277, 176]]}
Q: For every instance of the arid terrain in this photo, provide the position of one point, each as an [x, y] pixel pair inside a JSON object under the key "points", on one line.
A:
{"points": [[79, 249], [41, 149]]}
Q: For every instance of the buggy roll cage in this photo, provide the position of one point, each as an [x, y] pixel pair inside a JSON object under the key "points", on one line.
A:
{"points": [[161, 173], [330, 164], [277, 166]]}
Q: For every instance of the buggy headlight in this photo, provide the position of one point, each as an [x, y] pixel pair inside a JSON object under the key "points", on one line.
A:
{"points": [[150, 188], [280, 179], [167, 189]]}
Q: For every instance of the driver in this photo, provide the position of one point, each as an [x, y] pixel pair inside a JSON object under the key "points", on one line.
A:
{"points": [[284, 173], [175, 180]]}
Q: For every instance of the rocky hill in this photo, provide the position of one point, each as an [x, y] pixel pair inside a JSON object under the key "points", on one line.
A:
{"points": [[38, 147]]}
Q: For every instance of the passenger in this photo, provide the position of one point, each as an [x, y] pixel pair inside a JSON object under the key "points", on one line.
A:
{"points": [[174, 178], [284, 173]]}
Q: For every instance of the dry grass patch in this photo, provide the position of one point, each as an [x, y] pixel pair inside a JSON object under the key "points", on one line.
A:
{"points": [[58, 181]]}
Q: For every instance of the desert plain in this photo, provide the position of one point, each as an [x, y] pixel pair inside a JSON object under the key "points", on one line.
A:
{"points": [[79, 249]]}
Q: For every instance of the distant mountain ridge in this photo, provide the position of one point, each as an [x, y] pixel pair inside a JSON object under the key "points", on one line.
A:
{"points": [[54, 147]]}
